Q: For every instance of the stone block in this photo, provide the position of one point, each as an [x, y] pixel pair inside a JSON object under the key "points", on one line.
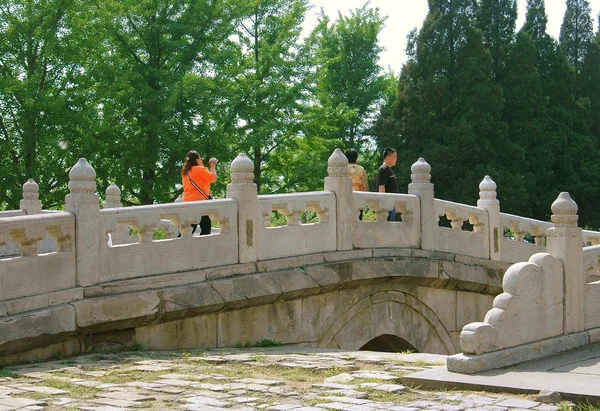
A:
{"points": [[594, 334], [471, 277], [117, 340], [242, 291], [441, 302], [31, 330], [65, 296], [470, 364], [179, 302], [120, 311], [241, 327], [418, 253], [391, 252], [3, 310], [471, 307], [290, 262], [295, 283], [321, 311], [26, 304], [230, 271], [348, 255], [196, 332], [326, 277], [284, 319]]}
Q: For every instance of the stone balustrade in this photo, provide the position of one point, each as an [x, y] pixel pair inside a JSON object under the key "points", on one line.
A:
{"points": [[405, 233], [94, 247], [473, 242]]}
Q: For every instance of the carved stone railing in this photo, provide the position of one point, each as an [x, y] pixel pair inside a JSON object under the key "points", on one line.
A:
{"points": [[383, 233], [297, 238], [154, 257], [474, 242], [31, 272], [548, 305], [515, 246]]}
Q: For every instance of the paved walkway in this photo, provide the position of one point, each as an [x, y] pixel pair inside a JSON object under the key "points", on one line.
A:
{"points": [[574, 374], [272, 379]]}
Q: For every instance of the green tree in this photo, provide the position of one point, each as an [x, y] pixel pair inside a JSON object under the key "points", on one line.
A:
{"points": [[497, 21], [155, 53], [269, 85], [576, 32], [42, 111], [348, 85]]}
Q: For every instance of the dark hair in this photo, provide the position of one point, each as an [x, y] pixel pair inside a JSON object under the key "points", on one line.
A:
{"points": [[190, 161], [352, 156], [388, 152]]}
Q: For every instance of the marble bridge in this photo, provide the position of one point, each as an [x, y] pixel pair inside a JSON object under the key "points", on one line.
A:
{"points": [[76, 280]]}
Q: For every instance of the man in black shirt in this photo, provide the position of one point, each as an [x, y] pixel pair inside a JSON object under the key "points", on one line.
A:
{"points": [[386, 179]]}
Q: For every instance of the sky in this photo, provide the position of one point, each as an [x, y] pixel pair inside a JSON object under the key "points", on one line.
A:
{"points": [[403, 15]]}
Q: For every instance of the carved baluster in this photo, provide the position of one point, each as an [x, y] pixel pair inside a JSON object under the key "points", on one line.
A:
{"points": [[456, 217], [381, 208], [292, 211], [28, 238], [62, 233], [144, 225], [267, 210], [320, 209], [515, 227], [478, 226]]}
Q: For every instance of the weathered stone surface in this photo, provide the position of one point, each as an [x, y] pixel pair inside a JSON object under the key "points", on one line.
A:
{"points": [[238, 292], [122, 311], [469, 364], [189, 300], [27, 331], [189, 333]]}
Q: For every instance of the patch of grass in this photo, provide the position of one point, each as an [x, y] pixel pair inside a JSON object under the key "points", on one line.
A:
{"points": [[267, 343], [259, 357], [69, 362], [78, 392], [138, 347], [4, 373], [385, 396], [122, 377]]}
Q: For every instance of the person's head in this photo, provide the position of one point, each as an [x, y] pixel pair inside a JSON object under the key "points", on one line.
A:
{"points": [[352, 156], [192, 159], [390, 157]]}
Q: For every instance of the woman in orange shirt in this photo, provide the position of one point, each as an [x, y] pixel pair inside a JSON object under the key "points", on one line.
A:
{"points": [[196, 181]]}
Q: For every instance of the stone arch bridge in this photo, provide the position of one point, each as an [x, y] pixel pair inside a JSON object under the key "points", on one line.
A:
{"points": [[76, 281]]}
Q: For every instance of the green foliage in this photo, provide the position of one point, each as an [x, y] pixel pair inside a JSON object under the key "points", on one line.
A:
{"points": [[267, 343], [4, 373]]}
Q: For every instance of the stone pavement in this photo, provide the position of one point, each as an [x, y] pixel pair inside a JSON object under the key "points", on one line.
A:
{"points": [[574, 374], [271, 379]]}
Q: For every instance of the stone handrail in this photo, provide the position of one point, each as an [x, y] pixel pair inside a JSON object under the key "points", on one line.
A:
{"points": [[296, 238], [515, 248], [379, 233], [474, 243], [33, 273], [548, 304], [154, 257], [591, 237]]}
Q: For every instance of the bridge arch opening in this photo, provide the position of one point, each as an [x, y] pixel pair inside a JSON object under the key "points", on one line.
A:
{"points": [[388, 343]]}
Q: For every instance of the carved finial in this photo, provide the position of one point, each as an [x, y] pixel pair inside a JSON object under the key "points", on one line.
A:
{"points": [[82, 178], [113, 197], [337, 164], [564, 211], [31, 190], [242, 169], [487, 189], [421, 171]]}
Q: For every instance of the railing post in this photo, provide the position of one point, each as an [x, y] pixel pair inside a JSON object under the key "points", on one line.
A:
{"points": [[244, 191], [30, 202], [113, 200], [83, 202], [488, 201], [565, 242], [422, 187], [340, 183]]}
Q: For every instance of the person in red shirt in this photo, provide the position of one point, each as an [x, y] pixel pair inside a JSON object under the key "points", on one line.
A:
{"points": [[196, 181]]}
